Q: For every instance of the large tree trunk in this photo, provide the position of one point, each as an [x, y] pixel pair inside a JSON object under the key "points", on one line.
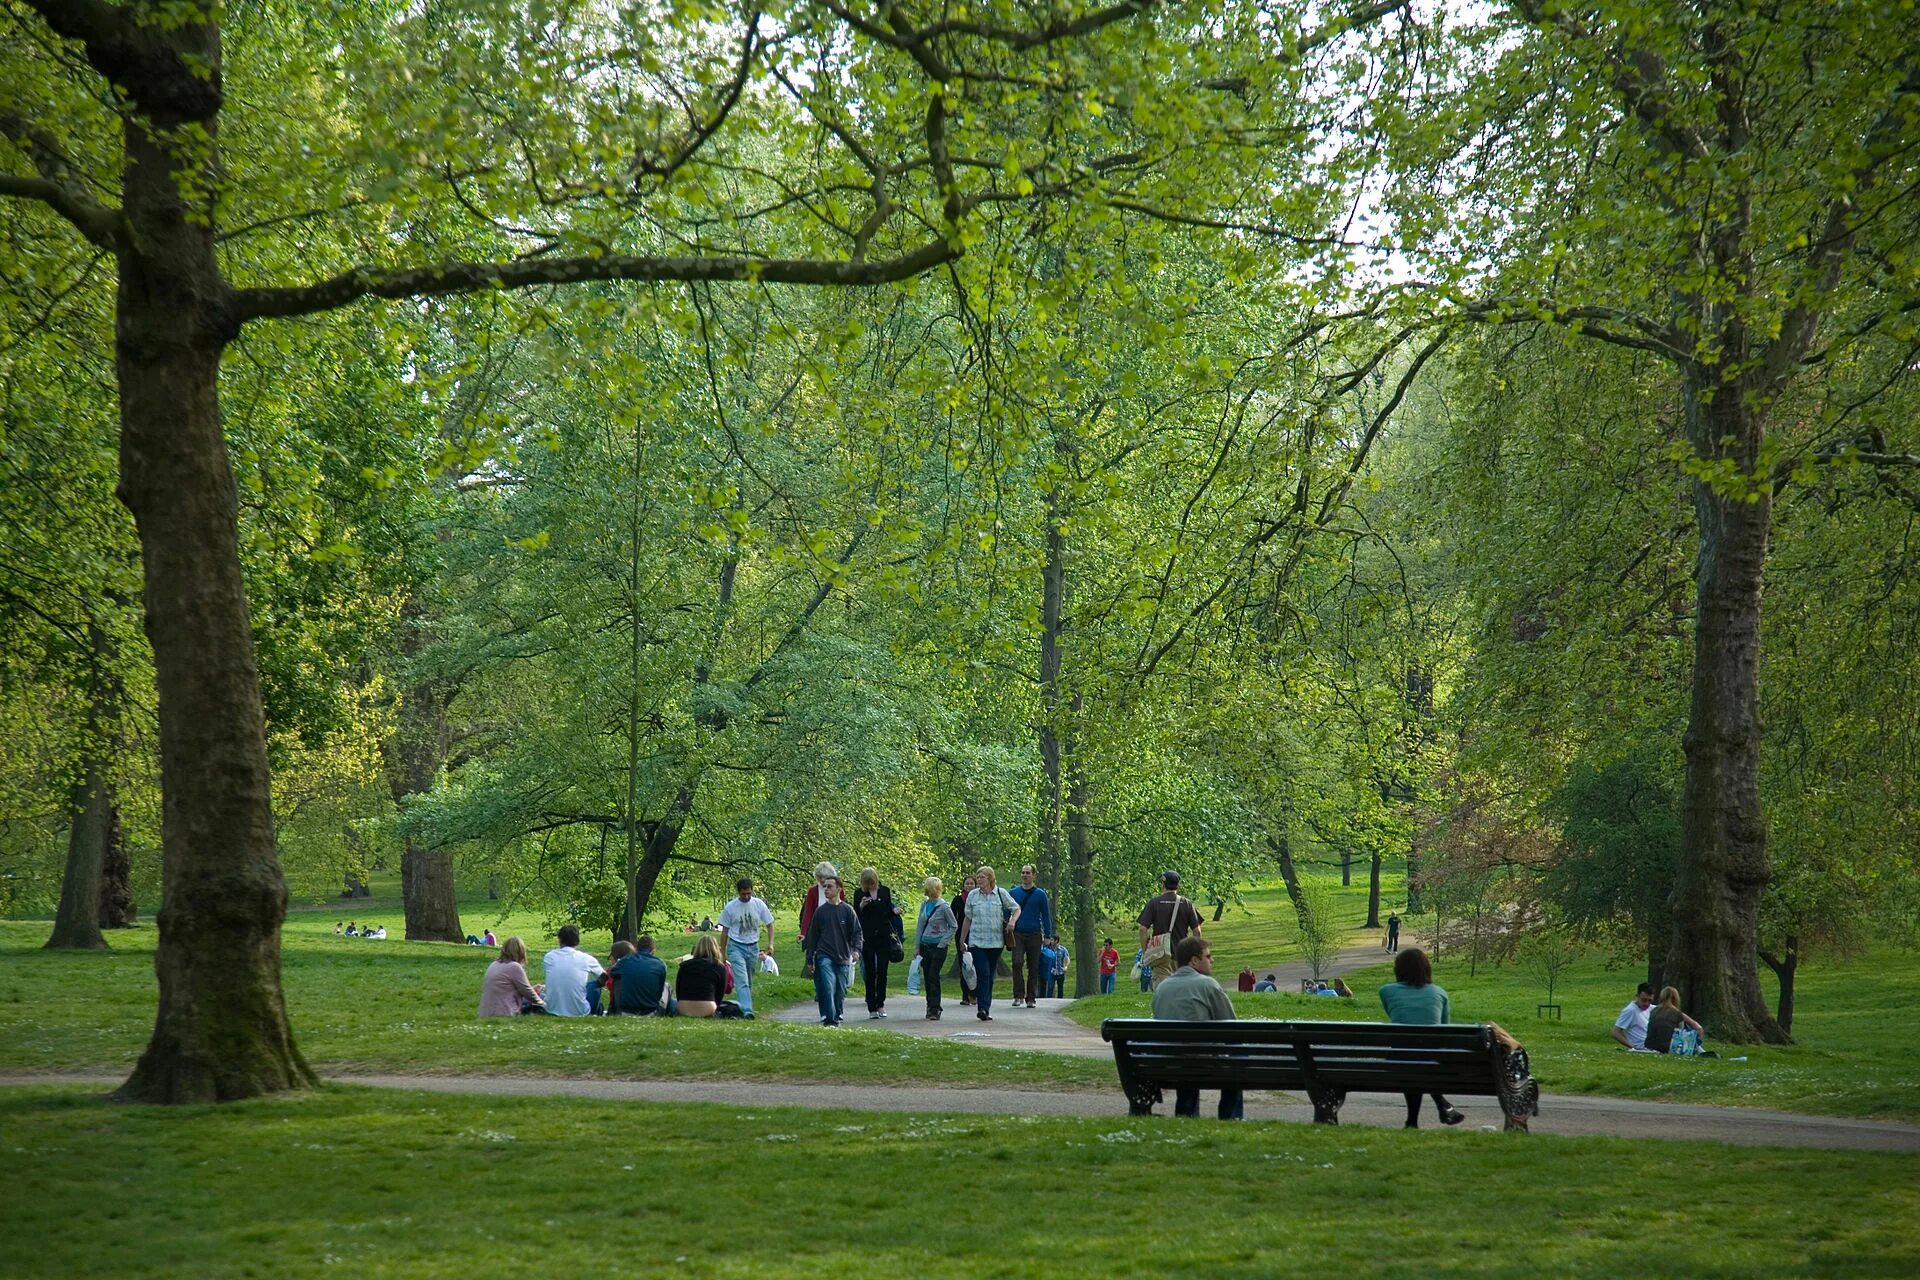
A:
{"points": [[428, 895], [76, 922], [1373, 894], [661, 837], [221, 1032], [1723, 869], [1053, 590], [117, 909], [1086, 974]]}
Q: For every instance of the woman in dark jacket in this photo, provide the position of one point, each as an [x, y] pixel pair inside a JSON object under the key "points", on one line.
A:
{"points": [[880, 933]]}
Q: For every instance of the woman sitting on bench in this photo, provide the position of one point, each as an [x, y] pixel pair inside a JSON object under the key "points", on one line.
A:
{"points": [[1415, 1001]]}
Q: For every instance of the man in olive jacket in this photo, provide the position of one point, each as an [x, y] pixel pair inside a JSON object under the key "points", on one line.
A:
{"points": [[1189, 994]]}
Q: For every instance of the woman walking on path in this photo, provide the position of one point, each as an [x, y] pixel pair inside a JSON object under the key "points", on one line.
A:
{"points": [[880, 927], [833, 941], [931, 937], [985, 931], [957, 973], [1415, 1001]]}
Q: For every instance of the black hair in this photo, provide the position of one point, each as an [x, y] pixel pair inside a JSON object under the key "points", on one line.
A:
{"points": [[569, 935], [743, 885], [1413, 968]]}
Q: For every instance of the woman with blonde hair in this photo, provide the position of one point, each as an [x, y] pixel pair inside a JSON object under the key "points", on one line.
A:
{"points": [[701, 983], [1666, 1019], [505, 991]]}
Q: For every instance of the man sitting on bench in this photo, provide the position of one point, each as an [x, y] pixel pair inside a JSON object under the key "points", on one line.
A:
{"points": [[1189, 994]]}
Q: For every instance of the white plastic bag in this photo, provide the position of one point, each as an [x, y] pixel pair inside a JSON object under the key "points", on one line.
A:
{"points": [[968, 978], [913, 976]]}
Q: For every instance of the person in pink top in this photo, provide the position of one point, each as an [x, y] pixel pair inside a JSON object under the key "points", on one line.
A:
{"points": [[505, 991]]}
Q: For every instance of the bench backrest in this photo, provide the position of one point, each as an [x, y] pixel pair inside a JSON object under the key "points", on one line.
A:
{"points": [[1258, 1054]]}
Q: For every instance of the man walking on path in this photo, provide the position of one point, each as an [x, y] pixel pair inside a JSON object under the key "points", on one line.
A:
{"points": [[1168, 916], [1393, 931], [833, 942], [1109, 968], [569, 969], [931, 937], [987, 927], [1189, 994], [741, 922], [1031, 973], [1058, 966]]}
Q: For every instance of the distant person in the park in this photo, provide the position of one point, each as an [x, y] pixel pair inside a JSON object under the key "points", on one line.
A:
{"points": [[742, 922], [933, 936], [336, 928], [487, 939], [1246, 978], [701, 982], [505, 991], [1630, 1028], [1189, 994], [1393, 931], [1061, 962], [958, 973], [880, 934], [986, 929], [1109, 968], [379, 933], [706, 924], [1165, 920], [1031, 971], [569, 970], [639, 980], [769, 965], [1142, 968], [815, 896], [1414, 1000], [1665, 1019], [1341, 989], [832, 944], [352, 930], [1267, 984]]}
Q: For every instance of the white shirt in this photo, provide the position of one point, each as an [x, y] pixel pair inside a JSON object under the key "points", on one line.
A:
{"points": [[768, 964], [1633, 1021], [744, 920], [568, 969]]}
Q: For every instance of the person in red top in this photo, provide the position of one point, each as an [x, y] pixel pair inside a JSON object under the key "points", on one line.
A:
{"points": [[1109, 967], [1246, 979], [815, 895]]}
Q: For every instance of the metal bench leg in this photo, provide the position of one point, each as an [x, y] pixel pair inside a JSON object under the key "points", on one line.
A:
{"points": [[1326, 1104]]}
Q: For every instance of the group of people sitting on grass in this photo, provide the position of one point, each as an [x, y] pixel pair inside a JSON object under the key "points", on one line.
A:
{"points": [[353, 930], [634, 982]]}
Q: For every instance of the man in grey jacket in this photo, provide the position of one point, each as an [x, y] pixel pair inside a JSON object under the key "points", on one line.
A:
{"points": [[1189, 994]]}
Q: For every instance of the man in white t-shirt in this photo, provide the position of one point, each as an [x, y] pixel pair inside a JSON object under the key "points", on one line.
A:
{"points": [[1630, 1028], [569, 969], [741, 921]]}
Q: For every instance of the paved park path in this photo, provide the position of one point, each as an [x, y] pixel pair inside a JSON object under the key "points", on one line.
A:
{"points": [[1600, 1117]]}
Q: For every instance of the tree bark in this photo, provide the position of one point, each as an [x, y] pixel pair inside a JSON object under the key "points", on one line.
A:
{"points": [[1283, 853], [117, 909], [1086, 976], [1784, 967], [428, 894], [1346, 868], [1723, 868], [1373, 894], [221, 1032], [76, 922], [1053, 590], [1414, 904]]}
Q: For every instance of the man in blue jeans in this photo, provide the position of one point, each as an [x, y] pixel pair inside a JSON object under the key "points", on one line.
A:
{"points": [[833, 943], [741, 922]]}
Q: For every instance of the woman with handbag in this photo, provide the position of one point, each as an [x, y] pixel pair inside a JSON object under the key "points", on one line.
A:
{"points": [[881, 945], [932, 937], [985, 931]]}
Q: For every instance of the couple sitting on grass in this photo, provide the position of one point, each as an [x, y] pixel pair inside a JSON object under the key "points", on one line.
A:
{"points": [[636, 984]]}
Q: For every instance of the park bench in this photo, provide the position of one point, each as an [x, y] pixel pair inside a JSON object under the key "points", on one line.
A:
{"points": [[1325, 1060]]}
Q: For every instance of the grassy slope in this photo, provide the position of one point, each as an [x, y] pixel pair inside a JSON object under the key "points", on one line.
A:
{"points": [[370, 1182], [1855, 1056]]}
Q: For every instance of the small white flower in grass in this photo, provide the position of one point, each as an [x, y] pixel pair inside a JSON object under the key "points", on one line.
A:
{"points": [[850, 1128], [1120, 1135], [777, 1137]]}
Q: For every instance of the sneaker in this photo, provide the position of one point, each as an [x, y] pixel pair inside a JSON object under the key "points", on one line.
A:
{"points": [[879, 1013], [1452, 1117], [874, 1013], [934, 1016], [986, 1017]]}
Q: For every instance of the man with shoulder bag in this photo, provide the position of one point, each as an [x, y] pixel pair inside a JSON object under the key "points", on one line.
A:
{"points": [[1163, 922]]}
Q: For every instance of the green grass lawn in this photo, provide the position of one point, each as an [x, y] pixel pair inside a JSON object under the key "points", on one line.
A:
{"points": [[410, 1007], [362, 1181], [1858, 1049]]}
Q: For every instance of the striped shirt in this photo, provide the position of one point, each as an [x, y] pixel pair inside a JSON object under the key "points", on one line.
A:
{"points": [[989, 914]]}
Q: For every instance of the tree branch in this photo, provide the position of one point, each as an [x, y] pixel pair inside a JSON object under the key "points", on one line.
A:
{"points": [[470, 277], [58, 186]]}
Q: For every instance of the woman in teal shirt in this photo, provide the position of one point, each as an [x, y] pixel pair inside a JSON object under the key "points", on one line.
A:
{"points": [[1415, 1001]]}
